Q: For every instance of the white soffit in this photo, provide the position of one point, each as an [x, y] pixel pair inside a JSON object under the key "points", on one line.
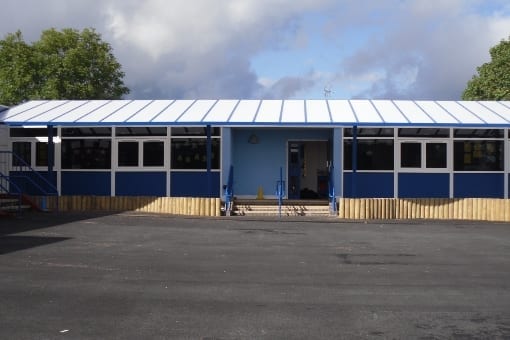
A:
{"points": [[437, 113], [341, 112], [245, 111], [261, 112], [124, 113], [221, 111], [389, 112], [293, 111], [413, 112], [150, 111], [317, 111], [460, 112], [173, 112], [269, 111], [101, 113]]}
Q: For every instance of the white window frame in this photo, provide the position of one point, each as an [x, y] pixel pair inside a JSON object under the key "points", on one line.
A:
{"points": [[423, 144]]}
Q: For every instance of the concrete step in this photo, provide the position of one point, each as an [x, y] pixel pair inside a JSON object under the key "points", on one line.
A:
{"points": [[289, 208]]}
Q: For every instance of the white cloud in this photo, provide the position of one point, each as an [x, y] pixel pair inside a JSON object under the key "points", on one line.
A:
{"points": [[204, 48]]}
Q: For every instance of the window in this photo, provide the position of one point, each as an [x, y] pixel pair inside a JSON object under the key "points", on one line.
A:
{"points": [[410, 155], [194, 131], [140, 131], [30, 132], [424, 132], [370, 132], [420, 155], [153, 153], [23, 153], [373, 154], [87, 132], [86, 153], [128, 154], [41, 154], [435, 155], [191, 153], [483, 155]]}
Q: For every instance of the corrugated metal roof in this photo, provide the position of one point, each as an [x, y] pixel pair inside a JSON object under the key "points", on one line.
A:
{"points": [[260, 113]]}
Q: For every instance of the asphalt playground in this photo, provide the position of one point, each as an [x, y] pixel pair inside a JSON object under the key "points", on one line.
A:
{"points": [[139, 276]]}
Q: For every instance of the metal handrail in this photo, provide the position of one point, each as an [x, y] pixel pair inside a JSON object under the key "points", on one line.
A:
{"points": [[24, 166], [8, 189], [280, 192], [229, 192], [46, 189], [331, 190]]}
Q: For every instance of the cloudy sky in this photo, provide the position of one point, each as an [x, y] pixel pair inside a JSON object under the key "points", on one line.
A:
{"points": [[394, 49]]}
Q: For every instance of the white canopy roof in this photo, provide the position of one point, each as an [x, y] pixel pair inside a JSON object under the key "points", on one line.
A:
{"points": [[260, 113]]}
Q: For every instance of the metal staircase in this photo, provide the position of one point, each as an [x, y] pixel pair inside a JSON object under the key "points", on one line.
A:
{"points": [[18, 182]]}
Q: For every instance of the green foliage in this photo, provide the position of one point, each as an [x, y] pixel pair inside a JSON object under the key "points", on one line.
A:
{"points": [[493, 79], [66, 64]]}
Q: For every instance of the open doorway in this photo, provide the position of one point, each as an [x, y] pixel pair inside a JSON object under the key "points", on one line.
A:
{"points": [[308, 169]]}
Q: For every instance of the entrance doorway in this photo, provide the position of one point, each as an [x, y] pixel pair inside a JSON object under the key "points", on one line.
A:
{"points": [[308, 169]]}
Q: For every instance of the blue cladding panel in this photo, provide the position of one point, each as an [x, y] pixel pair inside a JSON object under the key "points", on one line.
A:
{"points": [[194, 184], [369, 185], [419, 185], [479, 185], [140, 184], [86, 183], [30, 183]]}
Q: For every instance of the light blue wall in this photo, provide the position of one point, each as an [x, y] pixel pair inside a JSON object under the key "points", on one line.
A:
{"points": [[258, 165]]}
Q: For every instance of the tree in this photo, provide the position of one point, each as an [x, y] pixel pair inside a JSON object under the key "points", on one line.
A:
{"points": [[66, 64], [493, 79]]}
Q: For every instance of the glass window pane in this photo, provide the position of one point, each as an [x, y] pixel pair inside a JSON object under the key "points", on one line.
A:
{"points": [[86, 154], [140, 131], [153, 153], [128, 153], [23, 151], [31, 132], [370, 132], [471, 155], [410, 155], [478, 133], [41, 154], [87, 132], [194, 131], [436, 155], [424, 132], [190, 153], [373, 154]]}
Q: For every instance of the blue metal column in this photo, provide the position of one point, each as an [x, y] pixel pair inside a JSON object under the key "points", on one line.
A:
{"points": [[354, 160], [209, 161], [337, 161]]}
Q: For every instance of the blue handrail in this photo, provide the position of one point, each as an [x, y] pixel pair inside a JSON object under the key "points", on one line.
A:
{"points": [[331, 190], [12, 188], [20, 168], [280, 192], [229, 192]]}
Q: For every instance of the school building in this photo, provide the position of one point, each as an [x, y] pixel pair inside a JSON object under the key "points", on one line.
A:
{"points": [[318, 149]]}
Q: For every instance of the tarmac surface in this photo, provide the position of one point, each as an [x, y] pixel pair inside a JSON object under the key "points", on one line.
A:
{"points": [[129, 276]]}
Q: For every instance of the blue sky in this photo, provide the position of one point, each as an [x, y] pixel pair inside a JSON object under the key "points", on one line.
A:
{"points": [[394, 49]]}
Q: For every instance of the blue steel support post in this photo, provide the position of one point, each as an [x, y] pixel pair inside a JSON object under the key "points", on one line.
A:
{"points": [[354, 160], [51, 161], [209, 161]]}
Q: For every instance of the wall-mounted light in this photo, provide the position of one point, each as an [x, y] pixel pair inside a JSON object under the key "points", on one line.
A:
{"points": [[253, 139]]}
